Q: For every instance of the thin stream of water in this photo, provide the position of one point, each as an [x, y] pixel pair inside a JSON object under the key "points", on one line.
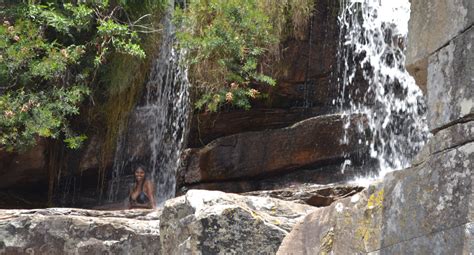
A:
{"points": [[164, 120]]}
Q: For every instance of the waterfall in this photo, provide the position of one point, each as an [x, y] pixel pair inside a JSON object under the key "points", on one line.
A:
{"points": [[373, 80], [160, 123]]}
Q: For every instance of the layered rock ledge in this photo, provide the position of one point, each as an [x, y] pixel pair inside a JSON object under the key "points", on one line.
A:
{"points": [[76, 231], [309, 142]]}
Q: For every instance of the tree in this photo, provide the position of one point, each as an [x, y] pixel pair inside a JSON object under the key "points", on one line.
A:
{"points": [[50, 55]]}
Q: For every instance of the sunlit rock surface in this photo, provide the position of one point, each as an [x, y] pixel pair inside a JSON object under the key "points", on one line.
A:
{"points": [[427, 209], [435, 24], [75, 231], [213, 222], [451, 81]]}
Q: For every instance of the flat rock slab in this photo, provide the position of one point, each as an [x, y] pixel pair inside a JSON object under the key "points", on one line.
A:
{"points": [[213, 222], [314, 195], [76, 231], [308, 142]]}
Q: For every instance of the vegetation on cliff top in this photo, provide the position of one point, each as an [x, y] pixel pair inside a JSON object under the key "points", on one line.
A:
{"points": [[226, 41]]}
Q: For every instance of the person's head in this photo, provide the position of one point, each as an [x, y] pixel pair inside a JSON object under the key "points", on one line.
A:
{"points": [[140, 173]]}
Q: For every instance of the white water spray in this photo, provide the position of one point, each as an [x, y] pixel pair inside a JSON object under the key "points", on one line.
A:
{"points": [[373, 80], [164, 120]]}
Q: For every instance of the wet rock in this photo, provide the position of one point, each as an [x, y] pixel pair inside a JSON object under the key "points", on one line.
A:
{"points": [[434, 25], [306, 143], [305, 83], [212, 222], [90, 157], [323, 175], [210, 126], [424, 209], [23, 169], [450, 82], [314, 195], [75, 231]]}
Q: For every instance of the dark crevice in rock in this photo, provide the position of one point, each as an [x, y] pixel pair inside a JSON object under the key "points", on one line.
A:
{"points": [[420, 236], [465, 119], [452, 39], [318, 196], [447, 139], [447, 149]]}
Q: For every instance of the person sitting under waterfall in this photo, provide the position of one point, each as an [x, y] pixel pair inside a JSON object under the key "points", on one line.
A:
{"points": [[141, 195]]}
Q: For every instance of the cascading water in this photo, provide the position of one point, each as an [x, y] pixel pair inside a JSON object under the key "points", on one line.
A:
{"points": [[373, 80], [164, 118]]}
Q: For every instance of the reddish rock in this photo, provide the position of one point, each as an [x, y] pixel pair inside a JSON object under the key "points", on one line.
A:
{"points": [[305, 79], [23, 169], [306, 143], [336, 172], [209, 126]]}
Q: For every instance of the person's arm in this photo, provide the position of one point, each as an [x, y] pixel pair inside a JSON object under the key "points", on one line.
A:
{"points": [[150, 193], [129, 198]]}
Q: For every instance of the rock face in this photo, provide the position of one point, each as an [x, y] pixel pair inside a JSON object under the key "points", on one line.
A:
{"points": [[450, 81], [304, 74], [213, 222], [75, 231], [337, 172], [214, 125], [423, 210], [257, 153], [24, 169], [433, 26], [428, 208]]}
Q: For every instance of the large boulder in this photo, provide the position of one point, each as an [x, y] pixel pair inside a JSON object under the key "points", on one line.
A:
{"points": [[421, 210], [213, 222], [75, 231], [309, 142], [432, 25]]}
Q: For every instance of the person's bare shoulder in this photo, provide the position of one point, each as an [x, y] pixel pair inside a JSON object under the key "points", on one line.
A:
{"points": [[149, 185]]}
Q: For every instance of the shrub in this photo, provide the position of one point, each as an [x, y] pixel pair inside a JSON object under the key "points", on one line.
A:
{"points": [[50, 55], [225, 41]]}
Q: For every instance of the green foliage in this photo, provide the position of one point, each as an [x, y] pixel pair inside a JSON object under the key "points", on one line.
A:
{"points": [[50, 55], [26, 115], [224, 40]]}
